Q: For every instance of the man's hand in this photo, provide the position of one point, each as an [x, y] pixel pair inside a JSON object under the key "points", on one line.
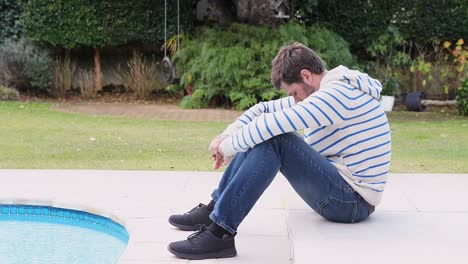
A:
{"points": [[220, 160], [214, 145], [216, 154]]}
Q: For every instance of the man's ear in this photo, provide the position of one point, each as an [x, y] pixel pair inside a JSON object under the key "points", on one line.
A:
{"points": [[306, 75]]}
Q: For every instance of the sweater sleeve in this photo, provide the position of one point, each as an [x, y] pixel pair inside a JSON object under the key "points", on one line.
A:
{"points": [[258, 109], [314, 112]]}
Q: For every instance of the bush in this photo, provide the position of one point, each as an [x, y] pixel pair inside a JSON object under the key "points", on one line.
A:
{"points": [[11, 65], [142, 77], [360, 22], [357, 21], [38, 68], [390, 87], [462, 98], [425, 20], [8, 93], [63, 71], [24, 65], [9, 19], [86, 83], [235, 64], [98, 23]]}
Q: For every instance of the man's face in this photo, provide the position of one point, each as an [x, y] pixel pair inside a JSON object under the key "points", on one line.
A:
{"points": [[299, 91]]}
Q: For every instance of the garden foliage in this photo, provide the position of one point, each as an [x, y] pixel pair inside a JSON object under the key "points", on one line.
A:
{"points": [[462, 98], [360, 22], [7, 93], [235, 64], [9, 20], [72, 23], [24, 65]]}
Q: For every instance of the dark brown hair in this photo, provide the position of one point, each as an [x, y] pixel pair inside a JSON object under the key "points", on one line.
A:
{"points": [[290, 60]]}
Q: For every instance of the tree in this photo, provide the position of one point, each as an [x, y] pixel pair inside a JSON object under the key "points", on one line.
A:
{"points": [[256, 12], [100, 23], [9, 19], [422, 21], [361, 22], [68, 24], [358, 21], [253, 12]]}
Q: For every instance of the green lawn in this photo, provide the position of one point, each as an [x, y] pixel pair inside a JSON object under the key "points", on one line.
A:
{"points": [[33, 136], [432, 142]]}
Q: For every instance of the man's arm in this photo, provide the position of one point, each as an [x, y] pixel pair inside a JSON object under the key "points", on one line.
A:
{"points": [[249, 115], [258, 109], [318, 110], [246, 118]]}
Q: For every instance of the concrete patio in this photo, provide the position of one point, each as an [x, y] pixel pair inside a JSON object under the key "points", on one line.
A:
{"points": [[423, 217]]}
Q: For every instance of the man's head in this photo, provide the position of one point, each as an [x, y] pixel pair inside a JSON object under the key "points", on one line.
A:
{"points": [[298, 70]]}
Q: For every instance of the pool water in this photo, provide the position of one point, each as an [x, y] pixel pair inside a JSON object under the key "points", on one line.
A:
{"points": [[41, 234]]}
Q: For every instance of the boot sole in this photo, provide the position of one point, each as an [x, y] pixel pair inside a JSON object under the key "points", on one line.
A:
{"points": [[226, 253], [186, 227]]}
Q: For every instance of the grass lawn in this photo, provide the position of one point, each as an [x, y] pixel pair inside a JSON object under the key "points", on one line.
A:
{"points": [[432, 142], [33, 136]]}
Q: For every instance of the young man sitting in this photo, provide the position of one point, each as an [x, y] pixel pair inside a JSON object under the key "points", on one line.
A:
{"points": [[339, 167]]}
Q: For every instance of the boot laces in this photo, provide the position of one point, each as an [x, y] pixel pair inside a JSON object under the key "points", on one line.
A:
{"points": [[195, 208], [198, 234]]}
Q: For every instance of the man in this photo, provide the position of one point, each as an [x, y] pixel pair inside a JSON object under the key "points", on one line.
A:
{"points": [[339, 168]]}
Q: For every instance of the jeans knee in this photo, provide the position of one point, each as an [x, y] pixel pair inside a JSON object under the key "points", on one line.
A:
{"points": [[287, 138], [276, 143]]}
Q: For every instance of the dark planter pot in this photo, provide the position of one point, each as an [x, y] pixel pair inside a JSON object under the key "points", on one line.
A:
{"points": [[413, 101]]}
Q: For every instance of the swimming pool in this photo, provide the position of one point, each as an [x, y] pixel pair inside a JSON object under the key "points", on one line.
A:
{"points": [[44, 234]]}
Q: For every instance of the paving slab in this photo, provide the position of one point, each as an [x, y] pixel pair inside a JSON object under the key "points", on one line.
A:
{"points": [[422, 218], [390, 237]]}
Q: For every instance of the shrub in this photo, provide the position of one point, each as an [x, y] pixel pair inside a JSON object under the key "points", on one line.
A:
{"points": [[235, 64], [390, 87], [462, 98], [388, 59], [95, 23], [86, 84], [8, 93], [63, 71], [9, 19], [38, 68], [24, 65], [11, 65], [142, 77], [360, 22], [425, 20]]}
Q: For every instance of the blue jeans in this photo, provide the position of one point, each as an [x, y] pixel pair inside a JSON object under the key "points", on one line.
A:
{"points": [[314, 178]]}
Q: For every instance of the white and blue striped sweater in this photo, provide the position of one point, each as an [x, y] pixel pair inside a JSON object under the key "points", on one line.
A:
{"points": [[343, 121]]}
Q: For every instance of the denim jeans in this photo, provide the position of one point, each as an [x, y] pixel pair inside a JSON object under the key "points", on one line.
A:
{"points": [[314, 178]]}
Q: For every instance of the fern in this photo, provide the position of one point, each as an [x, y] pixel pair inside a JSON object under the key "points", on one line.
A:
{"points": [[190, 102], [236, 63]]}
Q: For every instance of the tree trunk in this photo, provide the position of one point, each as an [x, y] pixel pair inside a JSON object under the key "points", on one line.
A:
{"points": [[256, 12], [97, 65], [458, 78], [67, 74], [221, 13], [253, 12]]}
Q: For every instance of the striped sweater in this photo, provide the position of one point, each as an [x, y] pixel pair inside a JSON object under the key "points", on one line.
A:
{"points": [[343, 121]]}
